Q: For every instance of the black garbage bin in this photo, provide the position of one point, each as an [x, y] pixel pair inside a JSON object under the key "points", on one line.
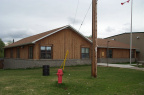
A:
{"points": [[46, 70]]}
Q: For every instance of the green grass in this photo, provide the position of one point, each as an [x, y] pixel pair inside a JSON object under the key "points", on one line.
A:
{"points": [[140, 66], [76, 81]]}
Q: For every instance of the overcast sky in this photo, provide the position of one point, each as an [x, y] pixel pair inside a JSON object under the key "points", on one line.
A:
{"points": [[23, 18]]}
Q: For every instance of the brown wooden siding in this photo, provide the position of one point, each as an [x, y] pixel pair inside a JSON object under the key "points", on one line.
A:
{"points": [[61, 42], [116, 53], [7, 53], [23, 52], [101, 52], [120, 53]]}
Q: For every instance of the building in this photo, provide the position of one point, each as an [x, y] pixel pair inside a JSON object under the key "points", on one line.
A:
{"points": [[114, 52], [50, 48], [137, 41]]}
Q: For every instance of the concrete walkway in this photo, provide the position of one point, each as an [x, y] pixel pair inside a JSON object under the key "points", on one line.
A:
{"points": [[121, 66]]}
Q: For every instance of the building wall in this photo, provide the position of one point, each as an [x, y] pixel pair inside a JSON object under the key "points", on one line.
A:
{"points": [[23, 52], [61, 42], [102, 52], [30, 63], [7, 53], [120, 53], [116, 53], [137, 41]]}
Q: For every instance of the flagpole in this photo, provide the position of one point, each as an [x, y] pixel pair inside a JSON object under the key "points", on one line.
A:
{"points": [[130, 28], [131, 32]]}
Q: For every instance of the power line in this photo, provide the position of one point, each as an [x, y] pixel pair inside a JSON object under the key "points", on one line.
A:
{"points": [[85, 16], [76, 12]]}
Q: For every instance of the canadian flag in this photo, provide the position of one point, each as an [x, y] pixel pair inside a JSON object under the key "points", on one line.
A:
{"points": [[125, 2]]}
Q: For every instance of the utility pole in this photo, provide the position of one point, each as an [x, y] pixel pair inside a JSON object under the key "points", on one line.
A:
{"points": [[94, 39]]}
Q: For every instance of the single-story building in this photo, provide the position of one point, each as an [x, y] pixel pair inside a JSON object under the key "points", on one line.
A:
{"points": [[137, 41], [49, 48], [114, 52]]}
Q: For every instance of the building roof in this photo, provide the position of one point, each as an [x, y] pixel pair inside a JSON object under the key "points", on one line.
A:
{"points": [[104, 43], [33, 39], [124, 33]]}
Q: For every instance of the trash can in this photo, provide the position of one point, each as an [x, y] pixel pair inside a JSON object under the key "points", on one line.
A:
{"points": [[46, 70]]}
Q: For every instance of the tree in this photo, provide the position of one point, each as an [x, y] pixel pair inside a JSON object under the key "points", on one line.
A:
{"points": [[1, 48], [9, 42]]}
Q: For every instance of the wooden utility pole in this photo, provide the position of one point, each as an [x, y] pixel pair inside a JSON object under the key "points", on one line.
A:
{"points": [[94, 38]]}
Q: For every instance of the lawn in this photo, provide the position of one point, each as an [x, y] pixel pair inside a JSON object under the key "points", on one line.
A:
{"points": [[77, 80]]}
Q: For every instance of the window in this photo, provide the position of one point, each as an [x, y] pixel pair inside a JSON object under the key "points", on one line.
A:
{"points": [[84, 53], [31, 52], [109, 53], [46, 52], [133, 53], [11, 53], [18, 52]]}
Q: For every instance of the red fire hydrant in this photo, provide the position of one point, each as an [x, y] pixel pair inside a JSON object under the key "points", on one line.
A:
{"points": [[60, 74]]}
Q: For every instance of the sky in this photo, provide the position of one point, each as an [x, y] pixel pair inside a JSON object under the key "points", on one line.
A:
{"points": [[23, 18]]}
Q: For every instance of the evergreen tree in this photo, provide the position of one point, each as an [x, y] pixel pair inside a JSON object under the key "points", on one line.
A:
{"points": [[1, 48]]}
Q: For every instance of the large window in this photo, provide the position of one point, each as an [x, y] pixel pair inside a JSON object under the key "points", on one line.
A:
{"points": [[84, 53], [18, 52], [46, 52], [31, 52]]}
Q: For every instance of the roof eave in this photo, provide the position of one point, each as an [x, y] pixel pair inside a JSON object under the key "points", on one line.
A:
{"points": [[114, 47], [18, 45]]}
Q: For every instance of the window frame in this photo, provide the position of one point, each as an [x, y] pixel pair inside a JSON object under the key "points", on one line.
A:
{"points": [[109, 53], [86, 54], [30, 52], [45, 51]]}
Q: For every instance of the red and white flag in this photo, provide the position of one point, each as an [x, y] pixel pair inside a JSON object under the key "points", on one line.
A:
{"points": [[125, 2]]}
